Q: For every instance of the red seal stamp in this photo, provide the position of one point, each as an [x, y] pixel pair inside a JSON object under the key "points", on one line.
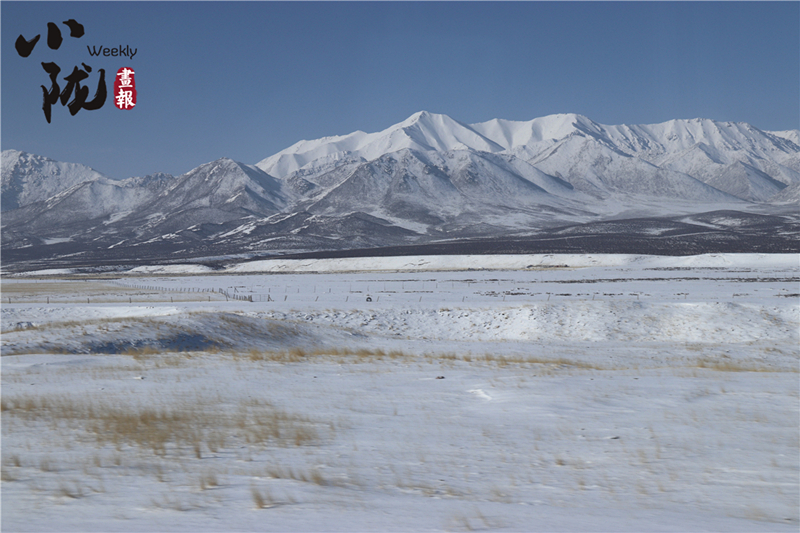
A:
{"points": [[125, 89]]}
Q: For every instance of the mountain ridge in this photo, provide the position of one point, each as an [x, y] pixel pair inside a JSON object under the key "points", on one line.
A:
{"points": [[427, 178], [514, 135]]}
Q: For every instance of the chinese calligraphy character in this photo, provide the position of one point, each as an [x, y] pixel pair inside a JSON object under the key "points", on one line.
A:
{"points": [[73, 85], [52, 96], [54, 39], [125, 77], [125, 99], [125, 88]]}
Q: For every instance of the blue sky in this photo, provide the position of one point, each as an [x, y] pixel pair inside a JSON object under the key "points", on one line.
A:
{"points": [[247, 79]]}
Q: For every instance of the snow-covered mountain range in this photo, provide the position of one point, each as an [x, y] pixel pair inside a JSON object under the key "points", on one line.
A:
{"points": [[654, 159], [426, 179]]}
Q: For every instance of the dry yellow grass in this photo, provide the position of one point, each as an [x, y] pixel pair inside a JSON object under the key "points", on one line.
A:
{"points": [[190, 427], [556, 362], [141, 353], [261, 499], [298, 355], [734, 366], [209, 480], [366, 355]]}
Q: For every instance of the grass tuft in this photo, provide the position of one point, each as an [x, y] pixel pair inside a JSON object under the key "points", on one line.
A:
{"points": [[209, 480], [733, 366], [183, 427]]}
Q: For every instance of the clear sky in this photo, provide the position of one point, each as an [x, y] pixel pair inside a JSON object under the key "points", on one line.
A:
{"points": [[246, 79]]}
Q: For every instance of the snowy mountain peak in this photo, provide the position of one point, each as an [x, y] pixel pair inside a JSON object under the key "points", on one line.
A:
{"points": [[29, 178], [429, 131], [421, 131], [416, 117]]}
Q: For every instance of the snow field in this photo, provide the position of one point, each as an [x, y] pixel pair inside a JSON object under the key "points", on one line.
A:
{"points": [[676, 410], [384, 445]]}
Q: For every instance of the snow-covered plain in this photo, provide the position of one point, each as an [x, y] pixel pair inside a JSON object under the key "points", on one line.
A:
{"points": [[520, 393]]}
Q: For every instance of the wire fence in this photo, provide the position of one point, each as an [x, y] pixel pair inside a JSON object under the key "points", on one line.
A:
{"points": [[386, 292], [226, 293]]}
